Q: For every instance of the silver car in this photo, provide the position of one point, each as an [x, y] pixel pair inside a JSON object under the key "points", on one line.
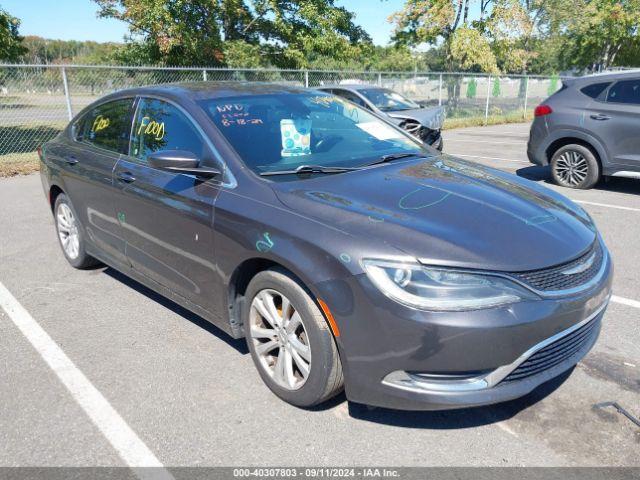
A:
{"points": [[425, 123], [590, 128]]}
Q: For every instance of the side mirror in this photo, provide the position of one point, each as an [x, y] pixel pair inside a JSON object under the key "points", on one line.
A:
{"points": [[181, 161]]}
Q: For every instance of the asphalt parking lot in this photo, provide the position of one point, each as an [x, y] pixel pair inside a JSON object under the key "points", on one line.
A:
{"points": [[177, 391]]}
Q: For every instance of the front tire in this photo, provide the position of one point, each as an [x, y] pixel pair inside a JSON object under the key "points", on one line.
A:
{"points": [[290, 342], [575, 166], [71, 234]]}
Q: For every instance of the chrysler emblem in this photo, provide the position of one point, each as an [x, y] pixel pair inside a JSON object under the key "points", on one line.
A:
{"points": [[581, 267]]}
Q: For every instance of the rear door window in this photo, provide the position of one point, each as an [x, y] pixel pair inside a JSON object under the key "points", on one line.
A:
{"points": [[106, 126], [626, 91], [159, 125], [595, 89]]}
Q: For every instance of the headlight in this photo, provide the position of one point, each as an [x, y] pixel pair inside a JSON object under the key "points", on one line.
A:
{"points": [[431, 288]]}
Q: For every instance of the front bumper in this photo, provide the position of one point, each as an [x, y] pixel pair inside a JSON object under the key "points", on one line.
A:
{"points": [[509, 381], [398, 357]]}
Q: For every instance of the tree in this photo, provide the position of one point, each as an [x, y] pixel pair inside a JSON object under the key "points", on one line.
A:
{"points": [[11, 47], [446, 21], [43, 50], [599, 30], [284, 33]]}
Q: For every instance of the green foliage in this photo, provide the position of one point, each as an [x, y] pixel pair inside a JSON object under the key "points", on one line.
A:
{"points": [[472, 88], [284, 33], [42, 50], [524, 36], [11, 47], [491, 36], [240, 54], [597, 31], [470, 51]]}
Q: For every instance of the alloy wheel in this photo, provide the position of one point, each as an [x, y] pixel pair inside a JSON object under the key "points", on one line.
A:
{"points": [[280, 339], [571, 168], [68, 231]]}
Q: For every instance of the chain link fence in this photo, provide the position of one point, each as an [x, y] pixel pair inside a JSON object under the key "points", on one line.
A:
{"points": [[37, 101]]}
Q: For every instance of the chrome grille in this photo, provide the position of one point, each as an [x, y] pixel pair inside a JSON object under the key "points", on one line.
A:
{"points": [[560, 277], [556, 352]]}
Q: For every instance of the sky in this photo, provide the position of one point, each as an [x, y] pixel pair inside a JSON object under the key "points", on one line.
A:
{"points": [[76, 19]]}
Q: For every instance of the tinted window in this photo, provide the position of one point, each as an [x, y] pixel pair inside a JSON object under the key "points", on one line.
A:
{"points": [[627, 91], [162, 126], [387, 100], [352, 97], [283, 131], [107, 125], [594, 90]]}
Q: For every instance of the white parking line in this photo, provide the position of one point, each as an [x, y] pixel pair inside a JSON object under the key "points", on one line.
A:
{"points": [[487, 158], [619, 207], [129, 446], [511, 133], [473, 140], [625, 301]]}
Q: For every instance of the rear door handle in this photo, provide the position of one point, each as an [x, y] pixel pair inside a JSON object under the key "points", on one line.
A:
{"points": [[600, 116], [71, 160], [126, 177]]}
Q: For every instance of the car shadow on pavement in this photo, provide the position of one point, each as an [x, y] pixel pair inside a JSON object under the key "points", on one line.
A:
{"points": [[238, 344], [454, 419], [609, 184]]}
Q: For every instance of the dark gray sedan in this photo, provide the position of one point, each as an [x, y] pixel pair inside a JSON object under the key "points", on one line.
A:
{"points": [[345, 251], [424, 123]]}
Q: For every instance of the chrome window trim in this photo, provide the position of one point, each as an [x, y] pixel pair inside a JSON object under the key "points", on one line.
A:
{"points": [[414, 383], [229, 179]]}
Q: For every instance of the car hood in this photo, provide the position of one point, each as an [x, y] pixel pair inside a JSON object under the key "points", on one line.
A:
{"points": [[445, 211], [432, 118]]}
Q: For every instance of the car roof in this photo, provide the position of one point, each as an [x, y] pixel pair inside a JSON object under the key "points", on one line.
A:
{"points": [[349, 86], [602, 77], [211, 90]]}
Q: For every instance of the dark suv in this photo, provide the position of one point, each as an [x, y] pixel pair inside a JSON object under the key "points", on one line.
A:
{"points": [[589, 128]]}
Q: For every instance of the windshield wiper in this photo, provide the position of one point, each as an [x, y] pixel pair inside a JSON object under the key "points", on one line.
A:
{"points": [[308, 169], [397, 156]]}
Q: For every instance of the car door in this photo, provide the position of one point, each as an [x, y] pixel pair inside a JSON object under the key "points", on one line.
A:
{"points": [[615, 118], [97, 141], [167, 217]]}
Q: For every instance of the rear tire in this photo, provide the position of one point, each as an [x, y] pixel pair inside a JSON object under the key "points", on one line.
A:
{"points": [[575, 166], [297, 358], [71, 234]]}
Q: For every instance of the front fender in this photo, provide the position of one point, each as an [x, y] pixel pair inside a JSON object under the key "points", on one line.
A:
{"points": [[246, 228]]}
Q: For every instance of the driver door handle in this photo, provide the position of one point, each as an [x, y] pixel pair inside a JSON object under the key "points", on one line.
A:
{"points": [[600, 116], [126, 177]]}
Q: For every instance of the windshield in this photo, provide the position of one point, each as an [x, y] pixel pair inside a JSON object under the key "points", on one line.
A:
{"points": [[387, 100], [283, 131]]}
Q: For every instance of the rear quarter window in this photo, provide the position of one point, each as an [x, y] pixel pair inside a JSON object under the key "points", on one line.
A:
{"points": [[595, 89]]}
